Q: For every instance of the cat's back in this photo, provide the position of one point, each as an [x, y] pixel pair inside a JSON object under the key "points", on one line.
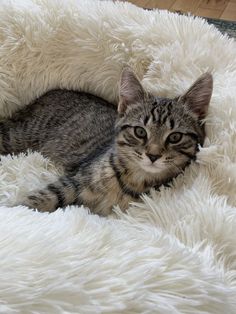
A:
{"points": [[61, 100], [66, 110]]}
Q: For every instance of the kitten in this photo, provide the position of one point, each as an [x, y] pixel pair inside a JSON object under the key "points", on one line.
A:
{"points": [[109, 157]]}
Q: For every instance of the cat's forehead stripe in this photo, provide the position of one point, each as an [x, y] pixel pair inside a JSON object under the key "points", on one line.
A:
{"points": [[154, 114], [161, 112], [170, 123], [145, 120]]}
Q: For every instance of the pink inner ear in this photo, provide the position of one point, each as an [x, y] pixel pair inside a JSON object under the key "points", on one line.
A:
{"points": [[199, 95], [131, 90]]}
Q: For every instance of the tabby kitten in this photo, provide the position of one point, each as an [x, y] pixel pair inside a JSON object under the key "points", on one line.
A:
{"points": [[109, 158]]}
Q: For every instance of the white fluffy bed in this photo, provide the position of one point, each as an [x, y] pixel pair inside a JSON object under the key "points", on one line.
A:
{"points": [[174, 252]]}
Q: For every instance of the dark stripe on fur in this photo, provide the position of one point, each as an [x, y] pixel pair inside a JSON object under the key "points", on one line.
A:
{"points": [[123, 165], [123, 187], [4, 130], [194, 136], [172, 123], [60, 197], [124, 127], [68, 181], [121, 143], [88, 160], [145, 121], [153, 114], [98, 151], [190, 156], [169, 108], [130, 139], [78, 201], [164, 118]]}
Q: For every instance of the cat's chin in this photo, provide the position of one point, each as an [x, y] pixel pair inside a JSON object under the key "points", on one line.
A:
{"points": [[152, 169]]}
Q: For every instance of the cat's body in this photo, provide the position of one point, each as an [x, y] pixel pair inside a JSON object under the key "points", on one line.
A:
{"points": [[108, 158], [62, 125]]}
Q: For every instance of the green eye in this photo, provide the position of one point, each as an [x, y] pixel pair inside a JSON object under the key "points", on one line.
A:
{"points": [[140, 132], [174, 138]]}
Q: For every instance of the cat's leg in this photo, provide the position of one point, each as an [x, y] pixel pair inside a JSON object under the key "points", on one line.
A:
{"points": [[63, 192]]}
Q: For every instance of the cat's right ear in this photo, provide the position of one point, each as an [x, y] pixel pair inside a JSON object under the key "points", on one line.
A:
{"points": [[131, 90], [197, 98]]}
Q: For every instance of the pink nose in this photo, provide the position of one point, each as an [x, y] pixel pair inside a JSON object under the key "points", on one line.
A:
{"points": [[153, 158]]}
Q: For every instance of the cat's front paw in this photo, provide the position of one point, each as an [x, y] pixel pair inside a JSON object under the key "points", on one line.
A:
{"points": [[42, 201]]}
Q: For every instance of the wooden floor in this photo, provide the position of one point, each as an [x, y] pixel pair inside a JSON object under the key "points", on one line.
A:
{"points": [[219, 9]]}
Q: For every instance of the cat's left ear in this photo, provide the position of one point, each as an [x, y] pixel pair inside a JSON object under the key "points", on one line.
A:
{"points": [[198, 97], [131, 90]]}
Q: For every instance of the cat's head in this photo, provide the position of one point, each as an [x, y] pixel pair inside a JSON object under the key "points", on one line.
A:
{"points": [[160, 136]]}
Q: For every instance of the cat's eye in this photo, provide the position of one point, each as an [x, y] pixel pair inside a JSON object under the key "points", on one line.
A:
{"points": [[174, 138], [140, 132]]}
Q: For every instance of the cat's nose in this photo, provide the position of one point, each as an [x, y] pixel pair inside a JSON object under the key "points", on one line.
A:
{"points": [[152, 157]]}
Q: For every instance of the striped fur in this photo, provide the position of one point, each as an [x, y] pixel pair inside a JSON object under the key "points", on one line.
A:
{"points": [[108, 158]]}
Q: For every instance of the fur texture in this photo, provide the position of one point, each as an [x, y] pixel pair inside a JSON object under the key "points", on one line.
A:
{"points": [[175, 251]]}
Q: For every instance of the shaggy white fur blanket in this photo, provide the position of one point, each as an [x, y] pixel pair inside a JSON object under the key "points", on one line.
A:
{"points": [[174, 252]]}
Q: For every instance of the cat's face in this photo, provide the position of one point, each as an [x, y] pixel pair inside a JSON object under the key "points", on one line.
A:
{"points": [[157, 135]]}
